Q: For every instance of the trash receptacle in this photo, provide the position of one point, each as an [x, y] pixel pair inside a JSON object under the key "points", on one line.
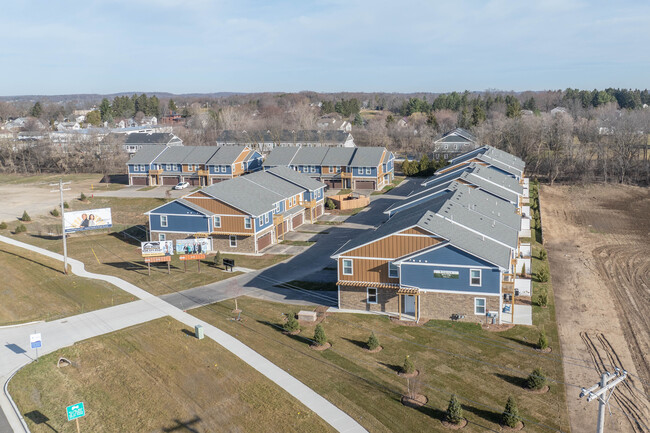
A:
{"points": [[198, 332]]}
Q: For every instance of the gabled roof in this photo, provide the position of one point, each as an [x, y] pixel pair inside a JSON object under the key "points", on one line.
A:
{"points": [[244, 195], [284, 136], [338, 156], [293, 176], [367, 157], [147, 154], [195, 207], [150, 138], [200, 154], [173, 155], [311, 155], [457, 135], [326, 156], [226, 155], [496, 177], [274, 184], [281, 156]]}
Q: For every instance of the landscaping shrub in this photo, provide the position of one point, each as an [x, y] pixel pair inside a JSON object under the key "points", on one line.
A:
{"points": [[536, 379], [291, 325], [543, 341], [523, 270], [408, 366], [510, 416], [319, 335], [329, 204], [542, 254], [542, 297], [542, 275], [20, 228], [82, 197], [55, 212], [3, 225], [373, 343], [25, 217], [454, 414], [66, 205], [218, 261]]}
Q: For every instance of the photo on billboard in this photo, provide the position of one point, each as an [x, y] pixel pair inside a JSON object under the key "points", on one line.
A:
{"points": [[92, 219], [194, 246], [157, 248]]}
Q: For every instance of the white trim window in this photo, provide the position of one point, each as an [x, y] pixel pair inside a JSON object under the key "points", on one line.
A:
{"points": [[474, 277], [162, 237], [233, 241], [479, 306], [216, 221], [260, 221], [368, 170], [266, 218], [331, 169], [313, 169], [393, 270], [136, 168], [163, 221], [248, 223], [142, 168], [371, 295], [338, 169], [168, 167], [190, 167], [277, 208], [347, 266], [294, 201]]}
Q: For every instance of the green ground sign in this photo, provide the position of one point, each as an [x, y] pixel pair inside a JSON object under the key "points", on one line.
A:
{"points": [[75, 411]]}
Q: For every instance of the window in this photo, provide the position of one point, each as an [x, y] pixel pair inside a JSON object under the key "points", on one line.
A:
{"points": [[393, 270], [163, 220], [313, 169], [142, 168], [168, 167], [136, 168], [233, 241], [190, 167], [338, 169], [277, 208], [331, 169], [260, 221], [162, 237], [371, 297], [474, 277], [368, 170], [347, 266], [266, 219], [479, 306], [217, 221], [247, 222]]}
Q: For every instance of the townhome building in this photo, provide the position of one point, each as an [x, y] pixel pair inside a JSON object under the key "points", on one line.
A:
{"points": [[363, 168], [135, 142], [246, 214], [197, 165], [265, 141], [454, 143]]}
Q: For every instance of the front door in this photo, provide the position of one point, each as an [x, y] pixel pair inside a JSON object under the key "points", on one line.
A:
{"points": [[409, 304]]}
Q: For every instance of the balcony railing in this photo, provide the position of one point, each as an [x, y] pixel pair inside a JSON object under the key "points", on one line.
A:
{"points": [[202, 172], [346, 174]]}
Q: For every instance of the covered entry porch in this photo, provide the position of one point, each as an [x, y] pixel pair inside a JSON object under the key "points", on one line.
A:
{"points": [[408, 303]]}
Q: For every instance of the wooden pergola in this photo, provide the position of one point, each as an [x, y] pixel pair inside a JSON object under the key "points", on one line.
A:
{"points": [[409, 292]]}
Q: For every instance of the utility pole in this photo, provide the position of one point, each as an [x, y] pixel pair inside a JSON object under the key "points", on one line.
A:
{"points": [[65, 244], [603, 392]]}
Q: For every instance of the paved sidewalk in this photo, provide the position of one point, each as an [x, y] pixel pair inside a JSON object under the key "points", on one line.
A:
{"points": [[100, 322]]}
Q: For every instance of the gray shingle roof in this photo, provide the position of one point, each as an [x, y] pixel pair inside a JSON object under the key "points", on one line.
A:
{"points": [[311, 155], [497, 177], [244, 195], [147, 154], [485, 204], [149, 138], [367, 157], [226, 155], [284, 136], [293, 176], [173, 155], [274, 184], [201, 154], [338, 156], [195, 207], [280, 156]]}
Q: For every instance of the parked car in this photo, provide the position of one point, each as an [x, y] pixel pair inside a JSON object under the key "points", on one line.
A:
{"points": [[181, 185]]}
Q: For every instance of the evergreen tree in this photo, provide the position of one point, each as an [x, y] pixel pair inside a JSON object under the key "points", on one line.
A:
{"points": [[172, 106], [536, 379], [153, 106], [105, 110], [37, 110], [373, 343], [464, 119], [510, 416], [389, 120], [432, 121], [513, 109], [424, 165], [478, 115], [358, 120], [218, 261], [543, 340], [327, 107], [291, 325], [454, 414], [408, 366], [319, 335], [3, 225], [25, 217], [141, 103]]}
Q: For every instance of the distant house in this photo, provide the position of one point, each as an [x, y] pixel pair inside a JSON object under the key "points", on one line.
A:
{"points": [[149, 120], [369, 168], [135, 142], [265, 141], [334, 121], [66, 126], [454, 143]]}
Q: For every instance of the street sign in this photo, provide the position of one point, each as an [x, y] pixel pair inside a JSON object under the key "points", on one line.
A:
{"points": [[75, 411], [192, 257], [157, 259], [35, 341]]}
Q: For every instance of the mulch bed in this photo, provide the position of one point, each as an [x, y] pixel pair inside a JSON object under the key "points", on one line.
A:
{"points": [[520, 426], [452, 426], [418, 400], [408, 322], [375, 350], [409, 375], [320, 348], [497, 328], [547, 350], [543, 390]]}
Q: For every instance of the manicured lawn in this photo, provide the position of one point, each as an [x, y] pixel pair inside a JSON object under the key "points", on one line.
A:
{"points": [[152, 378], [35, 288], [482, 367]]}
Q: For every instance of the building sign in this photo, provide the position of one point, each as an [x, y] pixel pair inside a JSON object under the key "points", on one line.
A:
{"points": [[157, 248], [192, 257], [75, 411], [35, 341], [80, 220], [445, 274], [193, 246], [158, 259]]}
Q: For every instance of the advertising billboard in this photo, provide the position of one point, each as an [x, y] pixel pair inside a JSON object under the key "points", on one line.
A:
{"points": [[80, 220], [445, 274], [157, 248], [193, 246]]}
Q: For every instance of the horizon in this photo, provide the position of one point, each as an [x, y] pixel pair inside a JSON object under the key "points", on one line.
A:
{"points": [[101, 47]]}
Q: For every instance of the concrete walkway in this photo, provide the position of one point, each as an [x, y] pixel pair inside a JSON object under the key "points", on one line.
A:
{"points": [[65, 332]]}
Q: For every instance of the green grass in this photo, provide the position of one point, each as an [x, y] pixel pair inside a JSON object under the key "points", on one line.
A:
{"points": [[298, 243], [156, 377], [35, 288], [312, 285], [366, 386]]}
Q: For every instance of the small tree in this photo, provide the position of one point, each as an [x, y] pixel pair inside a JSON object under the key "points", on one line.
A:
{"points": [[20, 228], [25, 217], [319, 335], [542, 254], [55, 212], [510, 416], [543, 341], [408, 366], [373, 343], [542, 297], [218, 261], [66, 205], [329, 204], [542, 275], [536, 379], [523, 270], [3, 225], [454, 414], [291, 325], [83, 197]]}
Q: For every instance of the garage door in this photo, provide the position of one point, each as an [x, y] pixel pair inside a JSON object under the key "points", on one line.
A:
{"points": [[263, 241], [296, 221], [336, 184], [318, 211], [139, 180], [194, 181], [365, 184], [170, 180]]}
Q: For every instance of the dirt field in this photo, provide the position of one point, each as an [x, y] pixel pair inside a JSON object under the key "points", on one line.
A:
{"points": [[598, 242]]}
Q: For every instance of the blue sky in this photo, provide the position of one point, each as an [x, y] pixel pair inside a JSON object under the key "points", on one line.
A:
{"points": [[185, 46]]}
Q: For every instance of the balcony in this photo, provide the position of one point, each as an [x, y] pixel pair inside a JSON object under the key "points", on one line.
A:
{"points": [[155, 172], [347, 175], [308, 203], [202, 172]]}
